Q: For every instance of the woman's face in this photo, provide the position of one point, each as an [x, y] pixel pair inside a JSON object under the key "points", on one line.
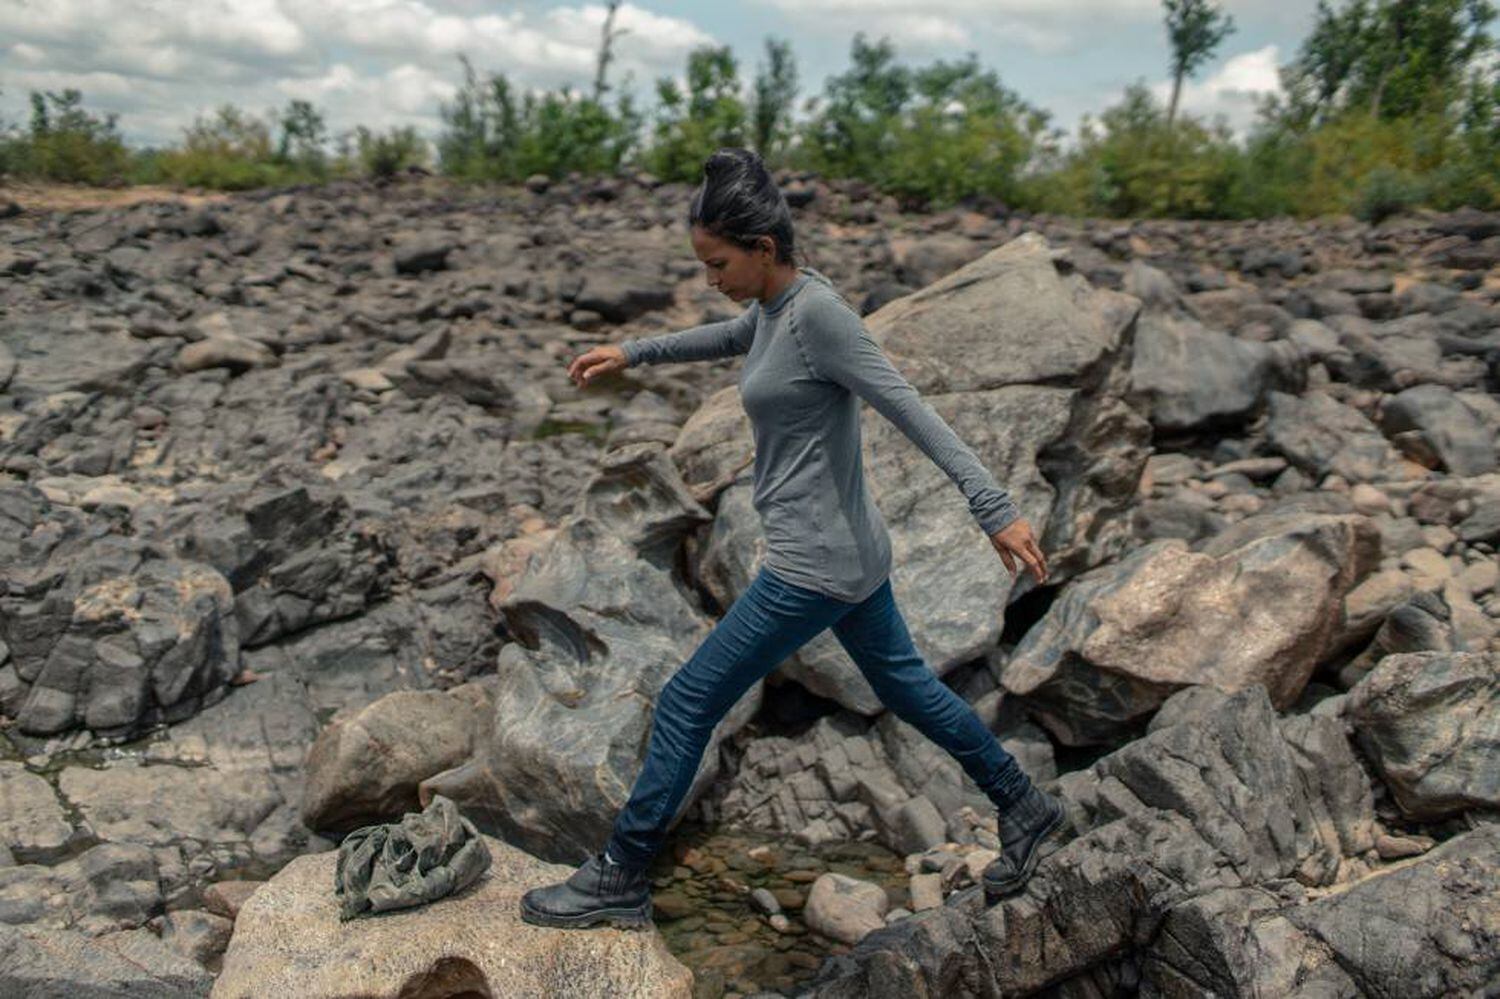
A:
{"points": [[735, 272]]}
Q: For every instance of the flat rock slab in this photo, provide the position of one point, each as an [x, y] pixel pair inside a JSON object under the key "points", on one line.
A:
{"points": [[288, 940]]}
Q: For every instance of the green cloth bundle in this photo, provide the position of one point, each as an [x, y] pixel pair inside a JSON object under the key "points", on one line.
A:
{"points": [[419, 859]]}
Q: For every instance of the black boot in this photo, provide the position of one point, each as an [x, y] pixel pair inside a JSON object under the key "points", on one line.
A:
{"points": [[599, 891], [1024, 826]]}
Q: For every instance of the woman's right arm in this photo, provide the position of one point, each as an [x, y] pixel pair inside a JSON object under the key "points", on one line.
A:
{"points": [[700, 343]]}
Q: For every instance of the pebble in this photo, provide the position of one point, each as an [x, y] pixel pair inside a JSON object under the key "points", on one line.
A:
{"points": [[926, 891], [765, 901], [1392, 847]]}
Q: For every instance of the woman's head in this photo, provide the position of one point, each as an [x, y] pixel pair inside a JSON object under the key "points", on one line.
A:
{"points": [[740, 224]]}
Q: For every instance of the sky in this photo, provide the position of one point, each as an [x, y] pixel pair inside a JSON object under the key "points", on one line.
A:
{"points": [[383, 63]]}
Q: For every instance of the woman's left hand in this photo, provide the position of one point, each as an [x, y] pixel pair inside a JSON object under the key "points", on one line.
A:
{"points": [[1016, 539]]}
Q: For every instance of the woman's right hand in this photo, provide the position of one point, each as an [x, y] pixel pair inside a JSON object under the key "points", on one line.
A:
{"points": [[598, 361]]}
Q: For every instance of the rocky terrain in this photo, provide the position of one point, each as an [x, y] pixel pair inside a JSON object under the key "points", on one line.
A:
{"points": [[302, 521]]}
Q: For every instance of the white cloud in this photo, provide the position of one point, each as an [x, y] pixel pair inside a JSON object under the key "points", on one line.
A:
{"points": [[1048, 27], [31, 55], [373, 62], [1233, 90]]}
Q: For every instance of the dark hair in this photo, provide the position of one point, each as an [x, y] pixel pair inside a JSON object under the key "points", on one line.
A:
{"points": [[738, 201]]}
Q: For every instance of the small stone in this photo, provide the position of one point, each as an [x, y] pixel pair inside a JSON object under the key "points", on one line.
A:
{"points": [[1480, 577], [789, 898], [671, 905], [224, 898], [765, 901], [1394, 847], [1368, 500], [926, 891], [978, 860]]}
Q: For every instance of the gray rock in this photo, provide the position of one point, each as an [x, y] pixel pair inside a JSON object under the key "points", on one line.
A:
{"points": [[420, 253], [1431, 723], [1422, 623], [926, 260], [1425, 929], [1221, 802], [1193, 377], [38, 963], [110, 886], [620, 294], [1449, 429], [1320, 435], [50, 357], [846, 776], [115, 635], [600, 630], [33, 826], [197, 934]]}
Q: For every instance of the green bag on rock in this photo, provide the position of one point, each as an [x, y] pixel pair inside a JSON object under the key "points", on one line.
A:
{"points": [[419, 859]]}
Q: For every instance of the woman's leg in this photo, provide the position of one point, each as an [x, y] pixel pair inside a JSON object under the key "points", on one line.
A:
{"points": [[875, 636], [765, 625]]}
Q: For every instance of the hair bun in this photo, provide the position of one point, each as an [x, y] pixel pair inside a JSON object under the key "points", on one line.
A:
{"points": [[730, 162]]}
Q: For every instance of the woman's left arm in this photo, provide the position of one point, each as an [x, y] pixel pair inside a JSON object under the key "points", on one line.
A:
{"points": [[839, 348]]}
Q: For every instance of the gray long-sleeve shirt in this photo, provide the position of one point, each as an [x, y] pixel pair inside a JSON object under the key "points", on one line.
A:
{"points": [[809, 361]]}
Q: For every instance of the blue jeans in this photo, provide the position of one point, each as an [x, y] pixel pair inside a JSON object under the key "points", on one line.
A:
{"points": [[769, 621]]}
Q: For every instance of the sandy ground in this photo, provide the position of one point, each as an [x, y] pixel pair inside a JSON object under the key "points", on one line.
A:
{"points": [[75, 197]]}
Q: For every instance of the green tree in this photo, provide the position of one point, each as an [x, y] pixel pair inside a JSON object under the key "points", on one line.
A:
{"points": [[1131, 163], [853, 131], [66, 142], [303, 134], [1194, 28], [491, 134], [691, 125], [929, 135], [1390, 57], [387, 154], [774, 91]]}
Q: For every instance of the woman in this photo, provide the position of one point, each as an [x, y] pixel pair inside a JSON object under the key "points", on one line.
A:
{"points": [[808, 363]]}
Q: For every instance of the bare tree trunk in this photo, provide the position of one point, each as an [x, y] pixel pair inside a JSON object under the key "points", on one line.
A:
{"points": [[1176, 92], [606, 41], [1172, 140]]}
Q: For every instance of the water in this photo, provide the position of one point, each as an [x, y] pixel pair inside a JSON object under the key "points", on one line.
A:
{"points": [[702, 880]]}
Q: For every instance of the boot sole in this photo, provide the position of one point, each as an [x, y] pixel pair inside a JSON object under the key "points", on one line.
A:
{"points": [[628, 919], [994, 889]]}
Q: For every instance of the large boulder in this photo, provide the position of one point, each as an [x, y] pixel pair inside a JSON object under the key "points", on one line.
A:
{"points": [[600, 628], [1430, 721], [1228, 796], [1426, 928], [1435, 419], [1321, 435], [288, 940], [1029, 367], [1260, 603], [365, 767], [115, 635], [1193, 377]]}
